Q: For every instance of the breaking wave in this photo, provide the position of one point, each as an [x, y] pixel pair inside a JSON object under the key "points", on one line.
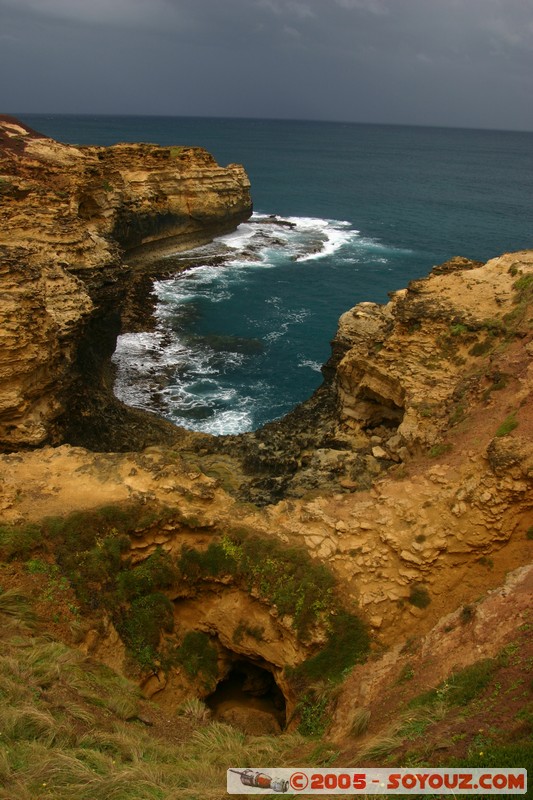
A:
{"points": [[238, 344]]}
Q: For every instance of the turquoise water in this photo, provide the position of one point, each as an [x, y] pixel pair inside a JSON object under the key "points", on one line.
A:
{"points": [[372, 207]]}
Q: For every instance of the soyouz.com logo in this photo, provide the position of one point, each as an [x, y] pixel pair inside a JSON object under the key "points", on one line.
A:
{"points": [[474, 781]]}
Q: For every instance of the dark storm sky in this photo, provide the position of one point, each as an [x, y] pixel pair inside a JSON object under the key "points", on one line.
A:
{"points": [[430, 62]]}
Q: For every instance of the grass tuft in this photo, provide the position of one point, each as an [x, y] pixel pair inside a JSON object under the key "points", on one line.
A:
{"points": [[194, 709], [508, 425], [14, 607], [419, 596], [360, 722], [198, 657]]}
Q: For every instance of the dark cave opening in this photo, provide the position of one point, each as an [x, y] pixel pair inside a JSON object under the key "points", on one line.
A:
{"points": [[248, 687]]}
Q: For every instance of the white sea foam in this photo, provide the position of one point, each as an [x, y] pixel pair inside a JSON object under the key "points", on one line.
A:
{"points": [[256, 242], [199, 282], [314, 365], [285, 320], [240, 237], [187, 377], [222, 423], [335, 234]]}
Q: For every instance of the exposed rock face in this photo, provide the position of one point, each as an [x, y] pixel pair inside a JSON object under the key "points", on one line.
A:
{"points": [[404, 362], [402, 377], [459, 639], [408, 472], [69, 219], [43, 310]]}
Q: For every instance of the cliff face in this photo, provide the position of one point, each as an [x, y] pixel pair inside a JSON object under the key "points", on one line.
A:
{"points": [[70, 219], [421, 475], [408, 473], [405, 366]]}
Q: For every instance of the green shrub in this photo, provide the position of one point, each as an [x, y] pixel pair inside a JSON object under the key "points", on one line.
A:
{"points": [[482, 348], [213, 562], [508, 425], [419, 596], [457, 415], [156, 572], [143, 623], [312, 712], [18, 541], [286, 577], [439, 450], [461, 687], [523, 285], [348, 643], [198, 656], [298, 586], [500, 381], [524, 292], [459, 329], [90, 548], [256, 632], [93, 572], [36, 566], [469, 682]]}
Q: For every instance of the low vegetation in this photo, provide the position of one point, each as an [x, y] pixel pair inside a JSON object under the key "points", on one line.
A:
{"points": [[175, 152], [300, 588], [285, 577], [438, 450], [480, 716], [90, 552], [72, 728], [198, 657], [518, 317], [419, 596], [508, 425]]}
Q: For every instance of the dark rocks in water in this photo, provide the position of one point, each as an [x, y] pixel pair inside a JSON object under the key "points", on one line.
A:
{"points": [[250, 255], [272, 219]]}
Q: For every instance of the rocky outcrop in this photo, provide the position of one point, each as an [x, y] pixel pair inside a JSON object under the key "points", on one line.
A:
{"points": [[464, 637], [73, 223], [404, 364], [408, 473], [403, 377]]}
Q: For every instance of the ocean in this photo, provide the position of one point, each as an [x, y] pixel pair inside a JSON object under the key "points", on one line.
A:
{"points": [[344, 213]]}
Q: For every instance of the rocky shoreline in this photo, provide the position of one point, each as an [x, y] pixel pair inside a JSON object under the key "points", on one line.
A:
{"points": [[407, 475], [78, 224]]}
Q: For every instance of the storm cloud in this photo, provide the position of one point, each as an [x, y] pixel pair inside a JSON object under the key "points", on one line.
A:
{"points": [[429, 62]]}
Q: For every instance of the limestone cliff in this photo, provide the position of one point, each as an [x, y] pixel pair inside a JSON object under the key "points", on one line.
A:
{"points": [[415, 521], [72, 222], [408, 473]]}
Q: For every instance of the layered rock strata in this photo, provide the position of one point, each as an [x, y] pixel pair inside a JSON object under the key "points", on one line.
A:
{"points": [[72, 222], [402, 378], [408, 473]]}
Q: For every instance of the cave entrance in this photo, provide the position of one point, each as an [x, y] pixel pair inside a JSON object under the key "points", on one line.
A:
{"points": [[249, 698]]}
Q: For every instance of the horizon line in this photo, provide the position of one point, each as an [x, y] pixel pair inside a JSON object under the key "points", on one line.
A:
{"points": [[266, 119]]}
